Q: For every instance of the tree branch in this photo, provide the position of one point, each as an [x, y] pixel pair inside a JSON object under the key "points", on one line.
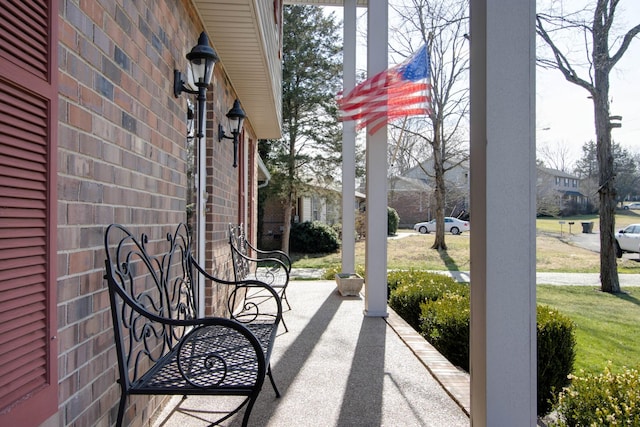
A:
{"points": [[561, 61]]}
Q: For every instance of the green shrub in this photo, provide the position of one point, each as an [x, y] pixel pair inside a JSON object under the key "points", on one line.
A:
{"points": [[313, 237], [556, 354], [407, 289], [439, 308], [437, 282], [445, 324], [330, 272], [393, 219], [605, 399]]}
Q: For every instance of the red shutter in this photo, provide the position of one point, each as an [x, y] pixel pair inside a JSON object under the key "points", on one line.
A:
{"points": [[28, 128]]}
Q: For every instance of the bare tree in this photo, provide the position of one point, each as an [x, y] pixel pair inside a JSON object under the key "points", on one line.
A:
{"points": [[442, 27], [603, 49], [556, 156]]}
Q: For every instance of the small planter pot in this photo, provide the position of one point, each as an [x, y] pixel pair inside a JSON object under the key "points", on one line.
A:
{"points": [[349, 285]]}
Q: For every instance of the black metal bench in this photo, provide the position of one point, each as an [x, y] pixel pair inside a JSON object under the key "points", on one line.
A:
{"points": [[164, 346], [271, 267]]}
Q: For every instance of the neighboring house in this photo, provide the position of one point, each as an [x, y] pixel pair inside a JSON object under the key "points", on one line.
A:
{"points": [[559, 193], [412, 199], [91, 134], [320, 205], [411, 194]]}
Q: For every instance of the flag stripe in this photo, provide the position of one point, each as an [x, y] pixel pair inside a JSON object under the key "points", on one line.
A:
{"points": [[402, 90]]}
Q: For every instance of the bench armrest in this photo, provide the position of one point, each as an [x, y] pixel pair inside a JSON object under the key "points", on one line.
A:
{"points": [[250, 301], [280, 255], [271, 271], [207, 357]]}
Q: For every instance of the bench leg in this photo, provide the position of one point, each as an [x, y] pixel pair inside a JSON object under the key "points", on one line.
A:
{"points": [[284, 298], [273, 383], [247, 411], [121, 408]]}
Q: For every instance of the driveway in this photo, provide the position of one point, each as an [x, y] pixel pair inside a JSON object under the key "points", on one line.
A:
{"points": [[590, 241]]}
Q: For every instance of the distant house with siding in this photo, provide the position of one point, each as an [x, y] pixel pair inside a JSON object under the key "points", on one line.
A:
{"points": [[560, 192], [319, 204]]}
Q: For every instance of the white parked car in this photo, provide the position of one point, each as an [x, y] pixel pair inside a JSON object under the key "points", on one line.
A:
{"points": [[451, 225], [628, 240], [632, 206]]}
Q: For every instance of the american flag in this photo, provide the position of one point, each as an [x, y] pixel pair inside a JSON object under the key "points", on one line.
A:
{"points": [[403, 90]]}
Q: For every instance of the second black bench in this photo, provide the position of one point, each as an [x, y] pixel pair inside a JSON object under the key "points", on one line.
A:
{"points": [[272, 267]]}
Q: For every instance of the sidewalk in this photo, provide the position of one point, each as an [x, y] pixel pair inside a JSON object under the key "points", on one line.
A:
{"points": [[336, 367], [542, 278]]}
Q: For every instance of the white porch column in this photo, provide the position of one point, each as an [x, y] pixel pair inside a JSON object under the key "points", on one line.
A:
{"points": [[503, 177], [376, 239], [349, 142]]}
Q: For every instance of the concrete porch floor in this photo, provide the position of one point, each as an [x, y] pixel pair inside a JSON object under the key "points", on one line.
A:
{"points": [[336, 367]]}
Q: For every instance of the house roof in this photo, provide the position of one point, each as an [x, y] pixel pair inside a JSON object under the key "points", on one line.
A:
{"points": [[404, 183], [556, 172]]}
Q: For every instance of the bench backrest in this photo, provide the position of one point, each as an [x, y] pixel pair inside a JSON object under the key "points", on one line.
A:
{"points": [[239, 250], [149, 283]]}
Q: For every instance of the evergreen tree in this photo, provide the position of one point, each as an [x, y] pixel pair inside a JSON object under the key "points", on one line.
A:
{"points": [[625, 170], [310, 149]]}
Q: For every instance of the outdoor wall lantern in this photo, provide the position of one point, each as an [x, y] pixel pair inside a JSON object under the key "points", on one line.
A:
{"points": [[202, 59], [236, 116]]}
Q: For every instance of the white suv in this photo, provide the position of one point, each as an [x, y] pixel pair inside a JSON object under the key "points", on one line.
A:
{"points": [[628, 240]]}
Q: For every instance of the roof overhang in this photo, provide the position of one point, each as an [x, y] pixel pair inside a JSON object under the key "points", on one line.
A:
{"points": [[246, 37], [263, 173]]}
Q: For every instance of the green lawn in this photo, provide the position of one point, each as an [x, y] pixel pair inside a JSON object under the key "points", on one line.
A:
{"points": [[554, 250], [607, 326]]}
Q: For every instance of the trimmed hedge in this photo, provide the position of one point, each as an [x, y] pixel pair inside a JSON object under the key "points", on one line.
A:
{"points": [[444, 322], [556, 344], [439, 308], [407, 289], [313, 237]]}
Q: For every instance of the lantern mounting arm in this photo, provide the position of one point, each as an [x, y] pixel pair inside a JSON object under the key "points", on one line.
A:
{"points": [[179, 85]]}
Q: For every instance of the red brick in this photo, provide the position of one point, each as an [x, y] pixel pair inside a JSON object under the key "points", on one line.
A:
{"points": [[90, 99], [79, 117], [67, 36], [68, 87], [79, 213], [80, 262]]}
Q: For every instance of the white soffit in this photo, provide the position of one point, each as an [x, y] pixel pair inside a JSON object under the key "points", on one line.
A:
{"points": [[244, 35]]}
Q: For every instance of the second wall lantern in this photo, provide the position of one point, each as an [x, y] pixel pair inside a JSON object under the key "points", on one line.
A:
{"points": [[236, 117]]}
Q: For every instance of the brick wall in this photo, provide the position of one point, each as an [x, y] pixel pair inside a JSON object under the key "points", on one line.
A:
{"points": [[122, 159], [412, 206]]}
